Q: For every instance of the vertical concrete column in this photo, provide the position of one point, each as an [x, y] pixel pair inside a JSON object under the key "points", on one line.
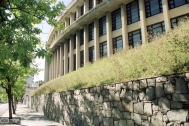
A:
{"points": [[49, 71], [66, 22], [71, 18], [57, 61], [86, 6], [65, 57], [166, 15], [94, 3], [55, 65], [124, 27], [46, 75], [86, 50], [143, 21], [77, 50], [78, 11], [71, 53], [61, 60], [96, 38], [109, 33]]}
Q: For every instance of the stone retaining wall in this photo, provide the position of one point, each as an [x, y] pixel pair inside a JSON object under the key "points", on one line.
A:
{"points": [[158, 101]]}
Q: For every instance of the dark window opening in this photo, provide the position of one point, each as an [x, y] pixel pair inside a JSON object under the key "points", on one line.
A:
{"points": [[82, 10], [103, 49], [117, 44], [175, 21], [81, 37], [133, 12], [74, 41], [81, 58], [91, 31], [74, 62], [90, 4], [177, 3], [102, 26], [116, 19], [135, 38], [91, 54], [153, 7]]}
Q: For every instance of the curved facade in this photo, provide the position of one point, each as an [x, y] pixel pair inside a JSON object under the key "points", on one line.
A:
{"points": [[98, 28]]}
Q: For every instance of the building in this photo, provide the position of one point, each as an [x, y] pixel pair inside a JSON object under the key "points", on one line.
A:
{"points": [[98, 28]]}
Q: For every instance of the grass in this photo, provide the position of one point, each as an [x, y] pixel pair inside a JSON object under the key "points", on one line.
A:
{"points": [[167, 54]]}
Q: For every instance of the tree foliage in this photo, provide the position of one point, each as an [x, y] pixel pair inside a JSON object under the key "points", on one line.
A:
{"points": [[19, 41]]}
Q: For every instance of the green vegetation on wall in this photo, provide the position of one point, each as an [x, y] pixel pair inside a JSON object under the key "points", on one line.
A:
{"points": [[167, 54]]}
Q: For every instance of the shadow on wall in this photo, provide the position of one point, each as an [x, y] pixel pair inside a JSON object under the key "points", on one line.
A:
{"points": [[153, 101]]}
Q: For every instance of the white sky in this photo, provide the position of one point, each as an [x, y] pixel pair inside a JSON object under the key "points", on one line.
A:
{"points": [[44, 36]]}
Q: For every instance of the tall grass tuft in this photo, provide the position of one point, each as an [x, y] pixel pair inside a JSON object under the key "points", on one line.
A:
{"points": [[164, 55]]}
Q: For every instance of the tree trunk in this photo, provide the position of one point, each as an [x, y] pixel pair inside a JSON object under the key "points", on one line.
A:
{"points": [[9, 99], [13, 107]]}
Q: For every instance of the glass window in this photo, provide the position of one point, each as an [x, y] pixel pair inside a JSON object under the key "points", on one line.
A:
{"points": [[102, 26], [90, 4], [153, 7], [82, 10], [117, 44], [91, 54], [103, 49], [156, 29], [74, 62], [74, 41], [116, 19], [135, 38], [133, 12], [177, 3], [69, 21], [81, 58], [68, 64], [91, 31], [81, 37], [99, 1], [75, 16], [68, 45], [175, 21]]}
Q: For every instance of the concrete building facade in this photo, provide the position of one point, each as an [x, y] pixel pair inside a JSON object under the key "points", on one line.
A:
{"points": [[98, 28]]}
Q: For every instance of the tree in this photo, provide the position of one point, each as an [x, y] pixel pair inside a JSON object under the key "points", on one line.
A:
{"points": [[18, 37]]}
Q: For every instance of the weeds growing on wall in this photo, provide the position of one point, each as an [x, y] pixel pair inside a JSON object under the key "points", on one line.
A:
{"points": [[164, 55]]}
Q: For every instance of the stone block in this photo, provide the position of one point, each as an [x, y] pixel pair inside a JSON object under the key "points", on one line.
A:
{"points": [[146, 123], [129, 85], [106, 121], [177, 115], [150, 94], [164, 104], [139, 108], [151, 82], [96, 120], [130, 123], [118, 87], [116, 113], [169, 88], [137, 118], [161, 79], [135, 95], [98, 89], [105, 92], [123, 93], [127, 115], [122, 122], [165, 118], [116, 123], [106, 99], [155, 109], [141, 95], [187, 75], [181, 85], [143, 84], [136, 85], [157, 120], [100, 99], [128, 106], [180, 97], [148, 108], [129, 96], [106, 106], [114, 96], [112, 87], [120, 106], [176, 105], [123, 85], [159, 90], [106, 113], [186, 124]]}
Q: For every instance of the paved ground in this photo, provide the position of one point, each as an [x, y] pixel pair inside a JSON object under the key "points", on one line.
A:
{"points": [[3, 108], [30, 117]]}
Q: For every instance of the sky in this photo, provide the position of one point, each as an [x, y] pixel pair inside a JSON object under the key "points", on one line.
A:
{"points": [[44, 37]]}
